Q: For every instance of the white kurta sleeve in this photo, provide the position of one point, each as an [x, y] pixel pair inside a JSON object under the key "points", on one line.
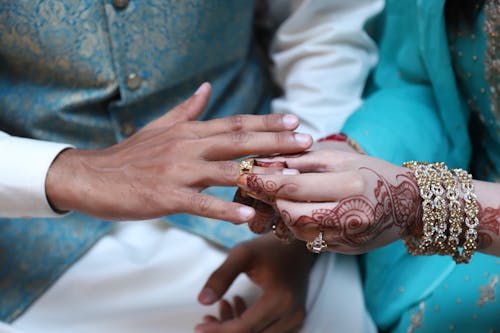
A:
{"points": [[322, 57], [23, 169]]}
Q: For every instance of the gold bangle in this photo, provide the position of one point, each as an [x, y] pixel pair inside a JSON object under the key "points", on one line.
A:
{"points": [[455, 213], [424, 244], [471, 221], [439, 207], [443, 219]]}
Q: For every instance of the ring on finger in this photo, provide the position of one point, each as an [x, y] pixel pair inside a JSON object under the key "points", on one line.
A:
{"points": [[246, 165], [317, 245]]}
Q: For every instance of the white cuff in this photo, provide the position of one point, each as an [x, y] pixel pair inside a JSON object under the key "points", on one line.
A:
{"points": [[23, 170]]}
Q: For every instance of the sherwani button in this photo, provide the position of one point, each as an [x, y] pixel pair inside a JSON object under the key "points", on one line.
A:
{"points": [[127, 129], [120, 4], [134, 81]]}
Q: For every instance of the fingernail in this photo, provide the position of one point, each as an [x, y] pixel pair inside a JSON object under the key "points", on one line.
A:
{"points": [[207, 296], [290, 121], [201, 88], [304, 139], [245, 212], [290, 172]]}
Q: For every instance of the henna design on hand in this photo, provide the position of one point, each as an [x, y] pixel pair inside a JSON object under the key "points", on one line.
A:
{"points": [[265, 214], [282, 156], [356, 221], [489, 223], [281, 231], [263, 190], [274, 164]]}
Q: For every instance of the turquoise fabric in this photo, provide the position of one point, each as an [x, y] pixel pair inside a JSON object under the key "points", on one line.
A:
{"points": [[467, 45], [63, 77], [413, 84], [417, 110]]}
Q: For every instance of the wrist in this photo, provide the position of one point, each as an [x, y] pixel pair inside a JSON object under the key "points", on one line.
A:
{"points": [[61, 183], [449, 211], [414, 226]]}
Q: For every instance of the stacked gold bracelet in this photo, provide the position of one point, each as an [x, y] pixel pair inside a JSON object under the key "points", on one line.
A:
{"points": [[444, 214], [471, 212]]}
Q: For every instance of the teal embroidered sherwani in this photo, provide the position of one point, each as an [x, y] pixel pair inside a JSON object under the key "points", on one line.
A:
{"points": [[416, 109]]}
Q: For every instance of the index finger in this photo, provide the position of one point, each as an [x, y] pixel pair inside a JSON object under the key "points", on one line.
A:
{"points": [[222, 278]]}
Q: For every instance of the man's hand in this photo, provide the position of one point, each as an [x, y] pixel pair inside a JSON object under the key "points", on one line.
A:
{"points": [[281, 270], [161, 169]]}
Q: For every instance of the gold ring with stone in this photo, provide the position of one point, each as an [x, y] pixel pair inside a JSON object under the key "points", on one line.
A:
{"points": [[246, 165], [317, 245]]}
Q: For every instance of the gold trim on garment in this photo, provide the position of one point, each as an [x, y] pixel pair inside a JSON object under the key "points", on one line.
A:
{"points": [[492, 56]]}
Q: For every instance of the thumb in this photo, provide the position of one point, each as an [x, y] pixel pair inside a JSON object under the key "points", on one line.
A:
{"points": [[190, 109], [222, 278]]}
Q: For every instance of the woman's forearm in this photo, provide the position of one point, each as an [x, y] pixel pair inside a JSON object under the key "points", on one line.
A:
{"points": [[488, 197]]}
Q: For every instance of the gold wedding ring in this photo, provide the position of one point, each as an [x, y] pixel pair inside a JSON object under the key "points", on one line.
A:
{"points": [[317, 245], [246, 166]]}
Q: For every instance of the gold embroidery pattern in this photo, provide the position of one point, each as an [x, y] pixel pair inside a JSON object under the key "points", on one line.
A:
{"points": [[488, 292], [492, 56], [416, 318]]}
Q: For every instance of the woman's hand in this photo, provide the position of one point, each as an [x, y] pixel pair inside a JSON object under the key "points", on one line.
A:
{"points": [[161, 169], [281, 270], [359, 203]]}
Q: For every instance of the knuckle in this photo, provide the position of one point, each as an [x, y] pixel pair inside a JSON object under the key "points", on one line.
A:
{"points": [[240, 137], [200, 203], [235, 123], [180, 128], [347, 160], [320, 161], [184, 127], [356, 183], [272, 121], [177, 145], [280, 138], [229, 170], [288, 189], [336, 159]]}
